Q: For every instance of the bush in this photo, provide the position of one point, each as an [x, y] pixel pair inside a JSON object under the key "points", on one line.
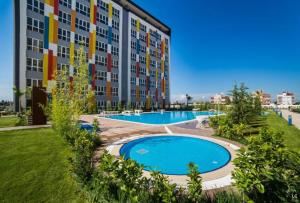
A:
{"points": [[83, 149], [194, 184], [266, 171]]}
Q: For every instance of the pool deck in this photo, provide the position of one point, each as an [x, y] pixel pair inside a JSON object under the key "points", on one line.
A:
{"points": [[115, 133]]}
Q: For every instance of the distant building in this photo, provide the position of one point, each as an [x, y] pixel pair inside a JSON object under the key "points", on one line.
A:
{"points": [[219, 99], [265, 98], [286, 98]]}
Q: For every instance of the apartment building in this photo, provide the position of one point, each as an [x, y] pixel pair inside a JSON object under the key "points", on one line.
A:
{"points": [[265, 98], [219, 99], [286, 99], [127, 49]]}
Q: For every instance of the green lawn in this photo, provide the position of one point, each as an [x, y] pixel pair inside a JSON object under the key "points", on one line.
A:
{"points": [[291, 134], [8, 121], [34, 168]]}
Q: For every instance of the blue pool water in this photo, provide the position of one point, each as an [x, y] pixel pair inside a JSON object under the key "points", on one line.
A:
{"points": [[172, 154], [162, 118]]}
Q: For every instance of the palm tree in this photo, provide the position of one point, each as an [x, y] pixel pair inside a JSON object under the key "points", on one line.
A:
{"points": [[188, 99], [18, 93]]}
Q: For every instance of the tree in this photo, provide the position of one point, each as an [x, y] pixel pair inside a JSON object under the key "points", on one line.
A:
{"points": [[69, 99], [188, 99], [257, 106], [266, 171], [241, 106]]}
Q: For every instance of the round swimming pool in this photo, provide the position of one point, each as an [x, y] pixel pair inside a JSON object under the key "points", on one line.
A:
{"points": [[172, 154]]}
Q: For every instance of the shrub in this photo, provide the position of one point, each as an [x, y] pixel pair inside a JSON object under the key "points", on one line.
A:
{"points": [[194, 184], [83, 152], [162, 190], [266, 171]]}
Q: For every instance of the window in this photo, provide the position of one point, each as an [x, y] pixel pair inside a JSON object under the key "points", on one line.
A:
{"points": [[115, 91], [142, 59], [143, 71], [142, 82], [82, 24], [64, 34], [103, 6], [35, 45], [34, 83], [143, 38], [133, 22], [133, 33], [133, 68], [63, 52], [133, 56], [67, 3], [115, 24], [143, 27], [143, 49], [101, 104], [115, 64], [133, 45], [101, 75], [133, 80], [35, 25], [33, 64], [63, 67], [116, 12], [64, 18], [101, 32], [114, 77], [84, 10], [115, 50], [101, 46], [100, 90], [132, 94], [102, 18], [101, 60], [115, 37], [36, 6], [81, 39]]}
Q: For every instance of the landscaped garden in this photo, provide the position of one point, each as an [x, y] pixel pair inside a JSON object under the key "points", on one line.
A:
{"points": [[57, 164]]}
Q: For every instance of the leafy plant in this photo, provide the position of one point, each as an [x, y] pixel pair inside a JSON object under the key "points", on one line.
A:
{"points": [[194, 183], [266, 171]]}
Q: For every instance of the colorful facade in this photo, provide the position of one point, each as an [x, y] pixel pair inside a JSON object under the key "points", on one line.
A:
{"points": [[49, 33]]}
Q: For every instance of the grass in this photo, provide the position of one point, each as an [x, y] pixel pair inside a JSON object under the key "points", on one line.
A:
{"points": [[34, 168], [8, 121], [291, 134]]}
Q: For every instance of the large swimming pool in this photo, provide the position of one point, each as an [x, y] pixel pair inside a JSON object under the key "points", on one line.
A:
{"points": [[172, 154], [169, 117]]}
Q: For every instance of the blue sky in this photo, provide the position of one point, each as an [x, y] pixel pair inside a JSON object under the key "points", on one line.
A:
{"points": [[215, 44]]}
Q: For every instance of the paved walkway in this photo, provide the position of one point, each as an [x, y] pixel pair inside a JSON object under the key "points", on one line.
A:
{"points": [[295, 117], [24, 127]]}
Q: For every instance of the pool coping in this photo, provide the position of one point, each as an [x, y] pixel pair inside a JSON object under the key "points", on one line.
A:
{"points": [[211, 180], [149, 124]]}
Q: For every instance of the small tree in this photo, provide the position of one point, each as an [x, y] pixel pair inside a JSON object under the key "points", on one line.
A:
{"points": [[69, 99], [257, 106]]}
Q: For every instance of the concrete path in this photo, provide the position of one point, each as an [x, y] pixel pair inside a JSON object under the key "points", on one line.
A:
{"points": [[295, 117], [24, 127]]}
